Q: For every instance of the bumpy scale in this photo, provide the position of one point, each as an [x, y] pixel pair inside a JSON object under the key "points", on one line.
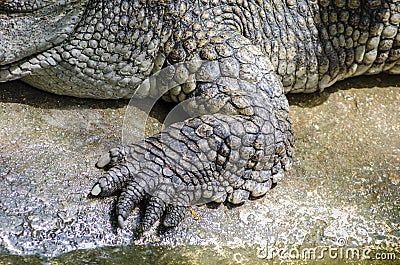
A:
{"points": [[247, 54]]}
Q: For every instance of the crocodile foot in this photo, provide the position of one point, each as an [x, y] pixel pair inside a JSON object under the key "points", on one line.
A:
{"points": [[211, 158]]}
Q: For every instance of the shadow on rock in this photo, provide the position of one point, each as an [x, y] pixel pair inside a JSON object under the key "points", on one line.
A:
{"points": [[315, 99]]}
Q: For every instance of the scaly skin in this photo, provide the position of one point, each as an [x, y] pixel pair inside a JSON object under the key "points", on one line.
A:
{"points": [[248, 55]]}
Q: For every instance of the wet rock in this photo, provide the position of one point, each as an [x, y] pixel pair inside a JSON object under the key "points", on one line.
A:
{"points": [[343, 188]]}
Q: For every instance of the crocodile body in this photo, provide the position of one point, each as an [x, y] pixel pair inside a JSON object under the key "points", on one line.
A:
{"points": [[248, 55]]}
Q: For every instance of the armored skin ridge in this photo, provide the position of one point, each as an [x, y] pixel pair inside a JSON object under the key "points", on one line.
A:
{"points": [[230, 62]]}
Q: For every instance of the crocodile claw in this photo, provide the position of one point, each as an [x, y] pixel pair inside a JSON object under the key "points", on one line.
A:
{"points": [[103, 161], [96, 190]]}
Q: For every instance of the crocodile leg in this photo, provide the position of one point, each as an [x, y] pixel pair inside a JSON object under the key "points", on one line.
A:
{"points": [[238, 142]]}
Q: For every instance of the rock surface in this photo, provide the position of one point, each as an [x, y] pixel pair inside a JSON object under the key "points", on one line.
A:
{"points": [[343, 189]]}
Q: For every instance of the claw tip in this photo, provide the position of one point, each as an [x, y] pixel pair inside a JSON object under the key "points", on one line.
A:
{"points": [[121, 222], [103, 161], [96, 190]]}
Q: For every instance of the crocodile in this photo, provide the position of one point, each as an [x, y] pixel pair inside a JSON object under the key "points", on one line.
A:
{"points": [[231, 62]]}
